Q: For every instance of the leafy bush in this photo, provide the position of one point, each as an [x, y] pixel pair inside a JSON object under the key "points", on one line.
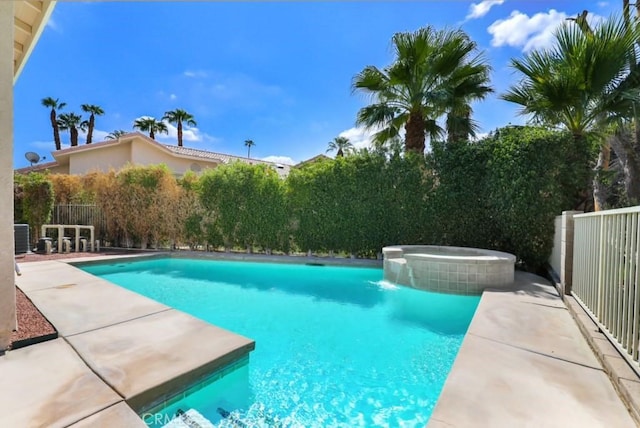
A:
{"points": [[70, 189], [534, 174], [140, 204], [246, 204], [359, 203], [502, 193], [33, 201]]}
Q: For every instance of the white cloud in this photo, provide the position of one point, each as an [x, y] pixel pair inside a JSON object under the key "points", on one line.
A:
{"points": [[172, 97], [98, 135], [528, 33], [603, 3], [195, 73], [478, 10], [479, 136], [190, 134], [360, 137], [285, 160]]}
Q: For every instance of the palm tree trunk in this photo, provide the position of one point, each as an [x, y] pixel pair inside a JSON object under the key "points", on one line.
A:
{"points": [[74, 136], [249, 152], [626, 147], [584, 198], [415, 133], [179, 133], [152, 135], [632, 179], [458, 127], [600, 190], [90, 130], [56, 131]]}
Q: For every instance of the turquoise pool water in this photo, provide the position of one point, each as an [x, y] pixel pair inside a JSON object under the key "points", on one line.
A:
{"points": [[335, 346]]}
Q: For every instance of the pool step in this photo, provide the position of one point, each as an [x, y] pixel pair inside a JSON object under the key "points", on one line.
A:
{"points": [[189, 419]]}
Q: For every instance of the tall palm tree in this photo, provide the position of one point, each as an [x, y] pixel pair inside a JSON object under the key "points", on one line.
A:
{"points": [[114, 135], [248, 144], [179, 117], [72, 122], [93, 111], [341, 145], [54, 104], [467, 84], [583, 83], [431, 75], [150, 125]]}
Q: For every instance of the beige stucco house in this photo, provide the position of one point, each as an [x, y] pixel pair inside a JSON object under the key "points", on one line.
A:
{"points": [[138, 149], [21, 23]]}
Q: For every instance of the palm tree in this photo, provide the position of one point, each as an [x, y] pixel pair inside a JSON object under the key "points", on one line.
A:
{"points": [[583, 83], [94, 111], [248, 144], [54, 104], [150, 125], [342, 145], [434, 73], [467, 84], [72, 122], [179, 117], [114, 135]]}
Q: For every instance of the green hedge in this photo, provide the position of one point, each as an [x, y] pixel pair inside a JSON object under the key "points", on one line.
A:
{"points": [[502, 192], [33, 201], [246, 205], [359, 203]]}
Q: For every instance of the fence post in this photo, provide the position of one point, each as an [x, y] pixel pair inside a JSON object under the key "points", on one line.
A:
{"points": [[566, 251]]}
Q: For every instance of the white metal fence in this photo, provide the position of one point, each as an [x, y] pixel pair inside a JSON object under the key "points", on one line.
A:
{"points": [[606, 274]]}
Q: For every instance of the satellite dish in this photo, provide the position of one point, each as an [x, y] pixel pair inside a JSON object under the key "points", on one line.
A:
{"points": [[32, 157]]}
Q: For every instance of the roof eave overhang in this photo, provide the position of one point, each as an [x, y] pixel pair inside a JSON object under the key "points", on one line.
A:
{"points": [[37, 27]]}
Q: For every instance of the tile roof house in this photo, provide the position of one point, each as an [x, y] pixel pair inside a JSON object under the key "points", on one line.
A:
{"points": [[138, 149]]}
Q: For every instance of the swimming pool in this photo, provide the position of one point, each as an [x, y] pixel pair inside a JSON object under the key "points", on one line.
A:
{"points": [[335, 346]]}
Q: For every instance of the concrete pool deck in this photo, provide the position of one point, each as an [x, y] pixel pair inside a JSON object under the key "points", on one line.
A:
{"points": [[117, 353], [523, 362]]}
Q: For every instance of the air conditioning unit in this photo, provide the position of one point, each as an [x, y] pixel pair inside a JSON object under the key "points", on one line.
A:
{"points": [[21, 238]]}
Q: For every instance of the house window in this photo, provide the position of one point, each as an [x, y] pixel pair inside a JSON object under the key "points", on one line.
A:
{"points": [[195, 167]]}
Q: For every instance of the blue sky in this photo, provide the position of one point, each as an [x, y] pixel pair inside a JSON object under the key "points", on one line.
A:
{"points": [[277, 73]]}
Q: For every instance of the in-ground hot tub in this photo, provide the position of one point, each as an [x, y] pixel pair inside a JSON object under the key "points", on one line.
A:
{"points": [[458, 270]]}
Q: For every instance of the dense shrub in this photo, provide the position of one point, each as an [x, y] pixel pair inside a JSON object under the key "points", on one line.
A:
{"points": [[194, 222], [246, 205], [70, 189], [461, 197], [140, 205], [534, 174], [33, 201], [360, 203], [502, 192]]}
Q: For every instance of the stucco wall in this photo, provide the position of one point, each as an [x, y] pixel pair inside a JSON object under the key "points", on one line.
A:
{"points": [[143, 153], [60, 169], [7, 288], [114, 156]]}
